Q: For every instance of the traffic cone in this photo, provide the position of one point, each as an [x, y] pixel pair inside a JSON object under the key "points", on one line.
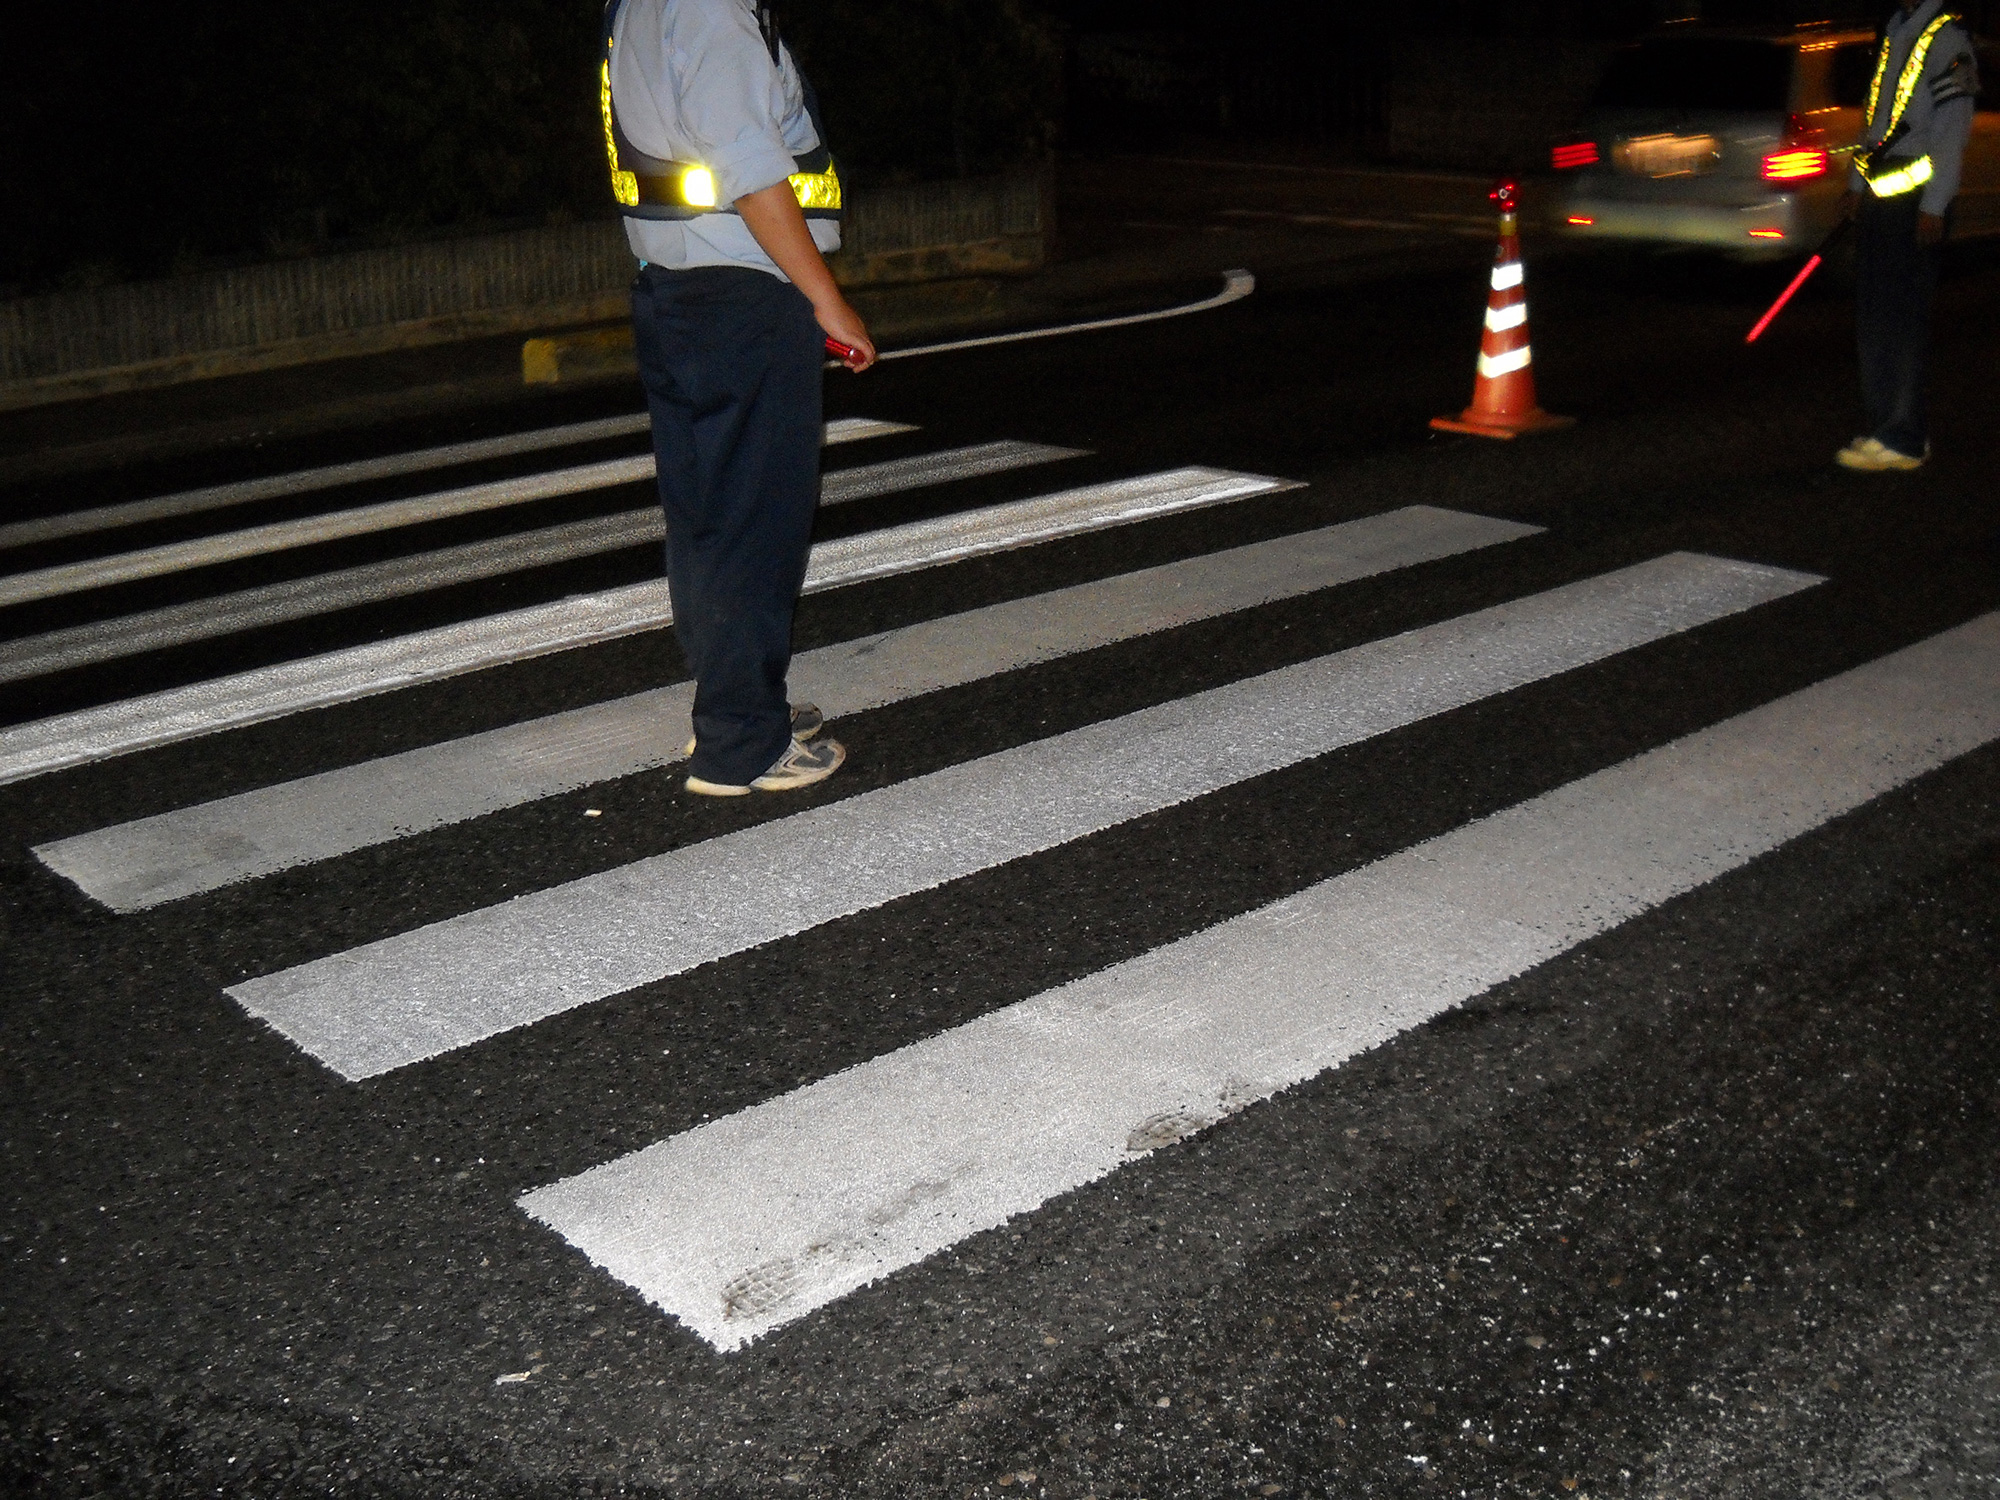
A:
{"points": [[1503, 392]]}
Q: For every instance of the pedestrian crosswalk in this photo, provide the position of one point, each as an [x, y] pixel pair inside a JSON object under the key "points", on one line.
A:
{"points": [[751, 1221], [758, 1218], [446, 986], [143, 863], [279, 536], [274, 604], [342, 676], [362, 470]]}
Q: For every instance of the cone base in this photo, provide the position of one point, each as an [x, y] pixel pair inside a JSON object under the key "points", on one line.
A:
{"points": [[1481, 424]]}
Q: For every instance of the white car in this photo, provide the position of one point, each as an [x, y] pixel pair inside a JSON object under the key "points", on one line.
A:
{"points": [[1727, 139]]}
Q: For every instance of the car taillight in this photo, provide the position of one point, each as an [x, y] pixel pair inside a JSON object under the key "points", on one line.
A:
{"points": [[1801, 154], [1796, 164], [1575, 154]]}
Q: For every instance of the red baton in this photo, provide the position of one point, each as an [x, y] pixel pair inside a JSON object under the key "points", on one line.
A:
{"points": [[1799, 280]]}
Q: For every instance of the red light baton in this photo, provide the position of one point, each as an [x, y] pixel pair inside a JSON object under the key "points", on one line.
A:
{"points": [[1799, 280], [1866, 154], [847, 354]]}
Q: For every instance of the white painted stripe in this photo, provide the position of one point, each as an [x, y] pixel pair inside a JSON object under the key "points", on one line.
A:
{"points": [[329, 476], [1500, 319], [93, 734], [844, 429], [1236, 285], [753, 1220], [189, 850], [440, 987], [1507, 276], [371, 583], [1503, 364], [281, 536], [898, 474], [301, 598]]}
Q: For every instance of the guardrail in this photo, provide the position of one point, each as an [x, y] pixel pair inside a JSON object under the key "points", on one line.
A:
{"points": [[81, 343]]}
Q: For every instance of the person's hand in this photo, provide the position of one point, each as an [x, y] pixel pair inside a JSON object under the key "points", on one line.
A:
{"points": [[1930, 229], [840, 321], [776, 223]]}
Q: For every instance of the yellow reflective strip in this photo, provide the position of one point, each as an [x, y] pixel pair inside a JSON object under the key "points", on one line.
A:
{"points": [[1902, 180], [1875, 85], [1913, 72], [698, 187], [816, 189], [624, 185]]}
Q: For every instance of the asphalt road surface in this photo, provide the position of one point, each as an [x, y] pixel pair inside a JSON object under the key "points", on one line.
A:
{"points": [[1342, 961]]}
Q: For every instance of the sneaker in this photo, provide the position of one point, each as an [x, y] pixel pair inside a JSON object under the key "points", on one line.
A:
{"points": [[800, 765], [1872, 455], [807, 721]]}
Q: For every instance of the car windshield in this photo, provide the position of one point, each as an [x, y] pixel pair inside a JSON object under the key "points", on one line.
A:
{"points": [[1697, 73]]}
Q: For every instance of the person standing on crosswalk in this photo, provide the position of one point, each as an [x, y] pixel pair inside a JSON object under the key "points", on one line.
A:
{"points": [[1919, 118], [730, 200]]}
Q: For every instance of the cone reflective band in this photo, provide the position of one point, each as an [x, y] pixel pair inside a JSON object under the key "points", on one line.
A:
{"points": [[1503, 387]]}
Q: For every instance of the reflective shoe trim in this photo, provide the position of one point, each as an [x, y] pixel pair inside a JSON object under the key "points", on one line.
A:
{"points": [[1875, 456], [802, 765], [715, 788], [807, 721]]}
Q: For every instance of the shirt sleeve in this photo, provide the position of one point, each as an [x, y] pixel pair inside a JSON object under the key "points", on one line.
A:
{"points": [[1954, 84], [1951, 126], [730, 95]]}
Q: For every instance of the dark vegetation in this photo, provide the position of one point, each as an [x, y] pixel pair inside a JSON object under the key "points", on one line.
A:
{"points": [[137, 139]]}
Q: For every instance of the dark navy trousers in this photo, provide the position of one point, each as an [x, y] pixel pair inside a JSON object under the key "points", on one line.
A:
{"points": [[732, 363], [1895, 283]]}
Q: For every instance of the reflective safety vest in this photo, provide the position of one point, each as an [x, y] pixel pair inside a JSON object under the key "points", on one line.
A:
{"points": [[1886, 181], [651, 187]]}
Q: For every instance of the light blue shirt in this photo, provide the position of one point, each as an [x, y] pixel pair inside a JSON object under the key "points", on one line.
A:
{"points": [[693, 81], [1940, 111]]}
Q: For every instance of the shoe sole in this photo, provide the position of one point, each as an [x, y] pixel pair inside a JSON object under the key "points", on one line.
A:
{"points": [[791, 781], [714, 788]]}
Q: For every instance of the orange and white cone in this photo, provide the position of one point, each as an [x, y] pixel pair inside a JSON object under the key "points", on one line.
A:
{"points": [[1503, 392]]}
